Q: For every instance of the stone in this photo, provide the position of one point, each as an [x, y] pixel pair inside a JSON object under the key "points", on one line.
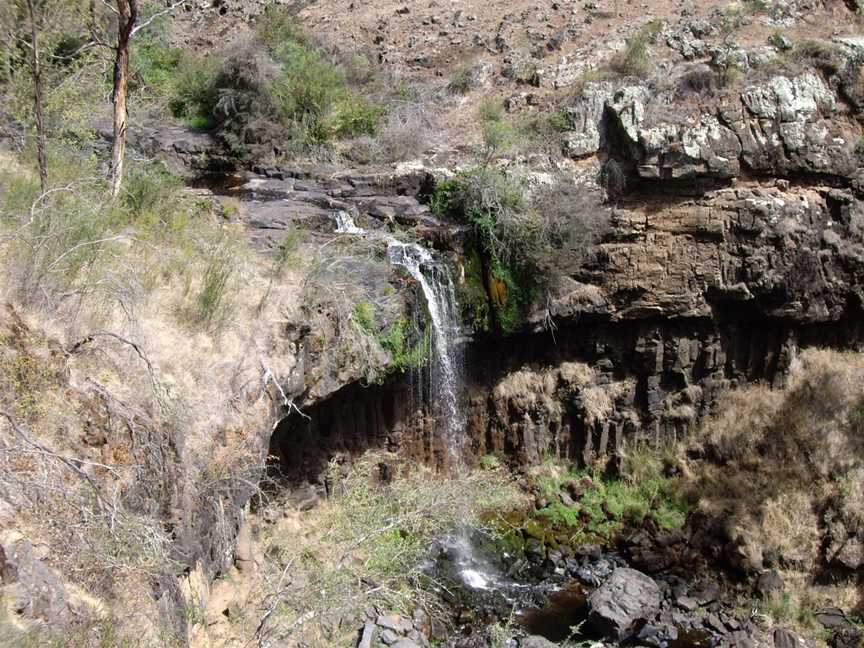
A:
{"points": [[687, 603], [851, 555], [536, 641], [769, 582], [706, 591], [628, 596], [405, 643], [831, 617], [395, 622]]}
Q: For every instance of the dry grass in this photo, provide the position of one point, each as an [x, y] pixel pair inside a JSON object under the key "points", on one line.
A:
{"points": [[779, 462], [319, 570], [163, 401]]}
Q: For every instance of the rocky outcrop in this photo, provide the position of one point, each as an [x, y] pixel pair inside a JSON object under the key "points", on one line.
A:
{"points": [[786, 126]]}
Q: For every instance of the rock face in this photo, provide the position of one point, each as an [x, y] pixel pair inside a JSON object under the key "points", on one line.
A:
{"points": [[784, 126], [627, 597]]}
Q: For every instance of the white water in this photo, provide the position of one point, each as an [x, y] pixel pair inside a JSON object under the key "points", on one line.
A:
{"points": [[441, 301], [345, 223]]}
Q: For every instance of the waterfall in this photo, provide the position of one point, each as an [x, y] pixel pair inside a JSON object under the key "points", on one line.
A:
{"points": [[440, 295], [345, 223]]}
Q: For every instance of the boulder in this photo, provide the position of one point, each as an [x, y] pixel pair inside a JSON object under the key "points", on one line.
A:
{"points": [[628, 596]]}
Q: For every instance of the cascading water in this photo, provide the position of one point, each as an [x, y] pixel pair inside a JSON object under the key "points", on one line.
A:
{"points": [[345, 223], [437, 286]]}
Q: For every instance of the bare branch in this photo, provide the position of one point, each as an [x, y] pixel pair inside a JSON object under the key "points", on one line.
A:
{"points": [[157, 15], [69, 462]]}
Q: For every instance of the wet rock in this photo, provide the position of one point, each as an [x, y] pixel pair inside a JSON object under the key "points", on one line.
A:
{"points": [[657, 635], [595, 572], [627, 597], [536, 641], [770, 582]]}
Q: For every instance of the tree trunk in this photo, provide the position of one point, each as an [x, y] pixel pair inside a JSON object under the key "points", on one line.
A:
{"points": [[38, 102], [127, 17]]}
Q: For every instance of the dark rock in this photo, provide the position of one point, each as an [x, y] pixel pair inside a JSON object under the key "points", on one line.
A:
{"points": [[593, 551], [712, 622], [847, 638], [787, 639], [770, 582], [657, 635], [706, 592], [390, 637], [831, 617], [628, 596]]}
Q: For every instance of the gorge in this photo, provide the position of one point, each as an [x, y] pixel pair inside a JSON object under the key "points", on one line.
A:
{"points": [[506, 325]]}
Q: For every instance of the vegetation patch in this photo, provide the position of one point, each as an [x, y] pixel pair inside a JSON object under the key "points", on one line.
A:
{"points": [[584, 505]]}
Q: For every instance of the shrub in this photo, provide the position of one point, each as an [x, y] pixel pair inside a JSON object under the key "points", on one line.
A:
{"points": [[521, 242], [273, 93], [212, 301], [462, 81], [405, 132], [634, 60]]}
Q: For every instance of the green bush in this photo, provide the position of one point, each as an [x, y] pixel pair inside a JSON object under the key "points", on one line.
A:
{"points": [[270, 94], [521, 244]]}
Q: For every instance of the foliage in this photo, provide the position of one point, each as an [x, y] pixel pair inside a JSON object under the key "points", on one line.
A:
{"points": [[399, 340], [365, 545], [113, 252], [520, 243], [405, 355], [267, 95]]}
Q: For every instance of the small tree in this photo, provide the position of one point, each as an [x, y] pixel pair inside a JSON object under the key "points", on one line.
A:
{"points": [[38, 102], [125, 13]]}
